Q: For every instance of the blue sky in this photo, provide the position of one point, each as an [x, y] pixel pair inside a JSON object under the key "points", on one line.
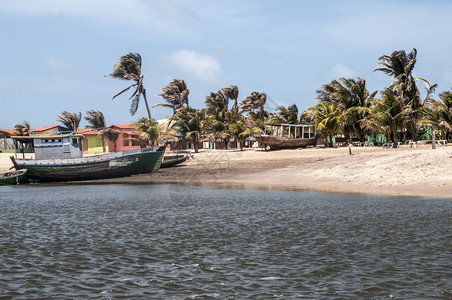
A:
{"points": [[55, 53]]}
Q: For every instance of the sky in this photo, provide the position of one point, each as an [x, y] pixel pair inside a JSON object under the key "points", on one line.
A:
{"points": [[56, 53]]}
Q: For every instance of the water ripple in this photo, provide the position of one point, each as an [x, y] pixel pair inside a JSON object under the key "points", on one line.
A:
{"points": [[122, 241]]}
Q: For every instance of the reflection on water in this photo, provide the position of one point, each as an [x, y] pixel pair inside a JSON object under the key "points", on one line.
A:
{"points": [[166, 241]]}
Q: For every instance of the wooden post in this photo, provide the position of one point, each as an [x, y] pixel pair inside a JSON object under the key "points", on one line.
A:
{"points": [[433, 138]]}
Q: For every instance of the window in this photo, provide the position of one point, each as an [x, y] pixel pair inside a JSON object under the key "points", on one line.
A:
{"points": [[66, 148], [74, 141]]}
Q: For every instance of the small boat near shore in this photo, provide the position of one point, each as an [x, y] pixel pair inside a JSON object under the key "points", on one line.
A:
{"points": [[13, 177], [288, 136], [173, 160], [278, 143], [60, 158]]}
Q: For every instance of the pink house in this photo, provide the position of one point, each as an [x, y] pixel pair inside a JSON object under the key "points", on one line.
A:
{"points": [[126, 139]]}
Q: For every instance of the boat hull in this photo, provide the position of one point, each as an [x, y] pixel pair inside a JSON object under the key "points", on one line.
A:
{"points": [[11, 178], [172, 160], [121, 164], [278, 143]]}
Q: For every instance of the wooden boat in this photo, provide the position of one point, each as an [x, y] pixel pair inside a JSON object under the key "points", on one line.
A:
{"points": [[173, 160], [288, 136], [111, 165], [14, 177], [59, 157], [278, 142]]}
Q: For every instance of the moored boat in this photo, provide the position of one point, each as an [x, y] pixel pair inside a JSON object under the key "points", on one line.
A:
{"points": [[288, 136], [13, 177], [173, 160], [60, 158], [278, 142]]}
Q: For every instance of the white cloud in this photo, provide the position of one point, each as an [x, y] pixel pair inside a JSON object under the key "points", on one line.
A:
{"points": [[203, 66], [340, 70]]}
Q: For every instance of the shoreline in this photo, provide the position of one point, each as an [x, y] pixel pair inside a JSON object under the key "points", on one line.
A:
{"points": [[371, 170]]}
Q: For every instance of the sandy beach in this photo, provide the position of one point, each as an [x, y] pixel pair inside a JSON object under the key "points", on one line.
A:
{"points": [[404, 171]]}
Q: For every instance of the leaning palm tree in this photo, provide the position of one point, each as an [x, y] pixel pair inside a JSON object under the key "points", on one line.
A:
{"points": [[97, 122], [70, 121], [400, 65], [112, 135], [129, 68], [254, 104], [23, 129], [175, 94], [232, 93]]}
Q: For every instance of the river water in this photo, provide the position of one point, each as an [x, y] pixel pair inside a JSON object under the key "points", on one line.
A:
{"points": [[184, 242]]}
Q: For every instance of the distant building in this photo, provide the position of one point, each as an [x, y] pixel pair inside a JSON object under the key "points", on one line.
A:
{"points": [[127, 140]]}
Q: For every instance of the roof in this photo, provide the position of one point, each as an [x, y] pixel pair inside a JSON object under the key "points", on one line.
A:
{"points": [[45, 128], [9, 131], [88, 131], [123, 126]]}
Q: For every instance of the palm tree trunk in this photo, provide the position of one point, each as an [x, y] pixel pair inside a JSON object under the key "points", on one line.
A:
{"points": [[147, 104], [103, 144]]}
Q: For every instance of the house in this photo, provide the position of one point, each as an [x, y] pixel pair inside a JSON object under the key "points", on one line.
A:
{"points": [[93, 141], [127, 140]]}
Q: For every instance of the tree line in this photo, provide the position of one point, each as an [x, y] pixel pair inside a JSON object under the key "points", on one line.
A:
{"points": [[344, 107]]}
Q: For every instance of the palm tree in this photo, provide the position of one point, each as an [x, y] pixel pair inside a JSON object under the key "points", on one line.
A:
{"points": [[440, 113], [285, 115], [97, 122], [129, 68], [70, 121], [352, 98], [112, 135], [150, 130], [232, 93], [400, 65], [254, 104], [241, 130], [388, 115], [175, 94], [328, 118], [23, 129], [187, 125], [217, 107]]}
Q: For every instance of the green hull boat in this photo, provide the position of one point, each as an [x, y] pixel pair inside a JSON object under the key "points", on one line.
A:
{"points": [[118, 164], [14, 177]]}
